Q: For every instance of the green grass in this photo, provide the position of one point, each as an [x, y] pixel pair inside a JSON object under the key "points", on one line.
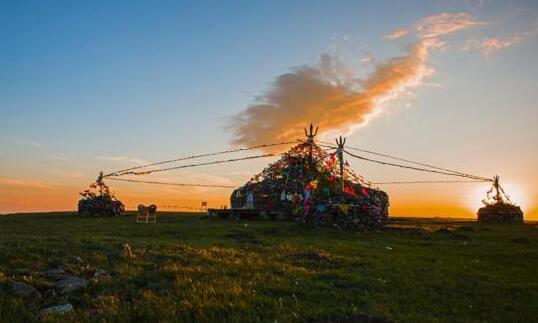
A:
{"points": [[188, 268]]}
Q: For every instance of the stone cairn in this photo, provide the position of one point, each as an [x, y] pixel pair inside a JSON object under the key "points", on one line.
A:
{"points": [[98, 200], [498, 208], [311, 185]]}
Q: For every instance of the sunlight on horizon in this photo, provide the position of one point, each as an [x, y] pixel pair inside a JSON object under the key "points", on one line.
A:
{"points": [[516, 192], [409, 80]]}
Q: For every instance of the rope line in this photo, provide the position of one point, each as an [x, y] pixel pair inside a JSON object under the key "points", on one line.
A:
{"points": [[429, 168], [409, 161], [425, 182], [122, 171], [171, 184], [234, 186], [419, 169], [134, 208], [191, 165]]}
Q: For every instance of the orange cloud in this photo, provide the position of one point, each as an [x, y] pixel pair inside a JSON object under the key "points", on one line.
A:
{"points": [[11, 182], [396, 34], [436, 25], [444, 23], [313, 94], [328, 95], [491, 45]]}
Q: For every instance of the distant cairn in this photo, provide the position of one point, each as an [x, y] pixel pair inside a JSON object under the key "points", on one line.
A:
{"points": [[498, 208], [98, 200]]}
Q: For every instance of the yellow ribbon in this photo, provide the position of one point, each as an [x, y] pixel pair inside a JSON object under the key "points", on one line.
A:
{"points": [[343, 207]]}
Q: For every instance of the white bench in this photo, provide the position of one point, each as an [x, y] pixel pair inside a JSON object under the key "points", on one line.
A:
{"points": [[146, 214]]}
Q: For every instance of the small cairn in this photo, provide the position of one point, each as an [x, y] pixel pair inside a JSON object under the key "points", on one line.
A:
{"points": [[98, 200], [498, 208]]}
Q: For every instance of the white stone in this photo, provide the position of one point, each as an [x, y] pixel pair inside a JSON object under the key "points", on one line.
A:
{"points": [[71, 284], [58, 309]]}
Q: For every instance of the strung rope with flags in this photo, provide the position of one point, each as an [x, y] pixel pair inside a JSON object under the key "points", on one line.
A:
{"points": [[424, 167], [450, 173], [296, 175], [424, 182], [329, 145], [124, 171], [147, 172], [170, 184]]}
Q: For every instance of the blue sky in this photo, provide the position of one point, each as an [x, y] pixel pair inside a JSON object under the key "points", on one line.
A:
{"points": [[102, 84]]}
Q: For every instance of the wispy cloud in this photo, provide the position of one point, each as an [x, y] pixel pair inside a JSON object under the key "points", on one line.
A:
{"points": [[396, 34], [204, 178], [24, 183], [480, 3], [133, 160], [436, 25], [330, 96], [444, 23], [67, 174], [368, 59], [194, 178], [58, 157], [489, 45], [25, 142]]}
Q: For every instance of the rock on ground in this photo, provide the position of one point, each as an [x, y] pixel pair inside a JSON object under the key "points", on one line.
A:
{"points": [[100, 273], [55, 273], [58, 309], [22, 289], [71, 284]]}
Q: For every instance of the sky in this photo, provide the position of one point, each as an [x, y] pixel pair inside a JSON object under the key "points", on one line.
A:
{"points": [[104, 85]]}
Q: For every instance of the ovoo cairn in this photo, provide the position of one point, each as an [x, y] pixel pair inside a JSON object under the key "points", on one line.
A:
{"points": [[311, 185], [498, 208], [98, 200]]}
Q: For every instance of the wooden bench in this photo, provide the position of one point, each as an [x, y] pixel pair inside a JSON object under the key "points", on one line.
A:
{"points": [[146, 214]]}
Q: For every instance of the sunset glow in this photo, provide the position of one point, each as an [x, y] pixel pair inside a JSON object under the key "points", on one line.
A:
{"points": [[87, 89], [518, 195]]}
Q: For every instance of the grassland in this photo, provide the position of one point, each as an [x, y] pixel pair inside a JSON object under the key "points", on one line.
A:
{"points": [[188, 268]]}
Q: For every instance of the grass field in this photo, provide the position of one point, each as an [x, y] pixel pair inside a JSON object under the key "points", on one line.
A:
{"points": [[188, 268]]}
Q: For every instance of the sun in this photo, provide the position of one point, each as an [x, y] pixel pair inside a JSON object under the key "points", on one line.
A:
{"points": [[516, 192]]}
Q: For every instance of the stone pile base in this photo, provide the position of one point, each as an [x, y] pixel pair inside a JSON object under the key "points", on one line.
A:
{"points": [[100, 206], [500, 213], [355, 219]]}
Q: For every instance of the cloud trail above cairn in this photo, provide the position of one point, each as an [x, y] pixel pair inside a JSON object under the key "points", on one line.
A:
{"points": [[328, 94]]}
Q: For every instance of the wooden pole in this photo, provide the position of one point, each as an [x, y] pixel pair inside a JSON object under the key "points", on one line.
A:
{"points": [[340, 151], [497, 190], [310, 140], [100, 182]]}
